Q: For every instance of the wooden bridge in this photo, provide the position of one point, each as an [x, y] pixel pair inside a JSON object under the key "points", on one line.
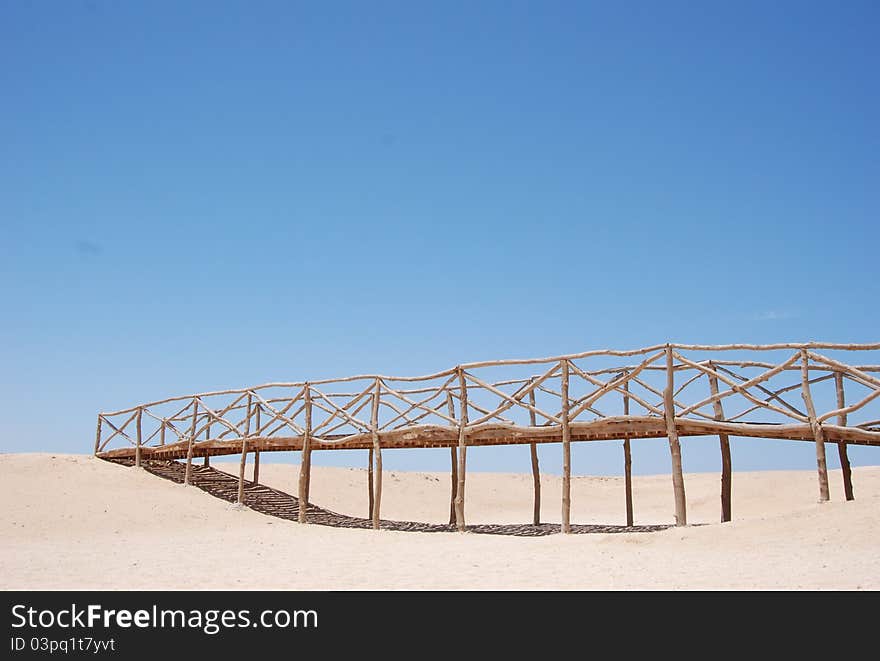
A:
{"points": [[668, 390]]}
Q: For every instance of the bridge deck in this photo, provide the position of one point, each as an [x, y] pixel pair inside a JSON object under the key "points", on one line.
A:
{"points": [[432, 436]]}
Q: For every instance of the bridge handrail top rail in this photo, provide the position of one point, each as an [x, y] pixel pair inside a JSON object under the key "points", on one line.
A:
{"points": [[516, 361]]}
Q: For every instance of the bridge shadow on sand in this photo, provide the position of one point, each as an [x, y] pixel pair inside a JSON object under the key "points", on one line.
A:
{"points": [[273, 502]]}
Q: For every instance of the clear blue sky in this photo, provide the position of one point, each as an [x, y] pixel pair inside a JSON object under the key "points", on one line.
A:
{"points": [[199, 195]]}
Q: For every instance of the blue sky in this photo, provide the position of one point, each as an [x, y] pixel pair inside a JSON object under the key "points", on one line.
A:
{"points": [[203, 195]]}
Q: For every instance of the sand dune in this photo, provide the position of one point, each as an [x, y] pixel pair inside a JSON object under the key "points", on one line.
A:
{"points": [[76, 522]]}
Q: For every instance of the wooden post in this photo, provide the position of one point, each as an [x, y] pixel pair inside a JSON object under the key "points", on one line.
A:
{"points": [[98, 434], [370, 483], [453, 457], [244, 442], [453, 461], [462, 452], [726, 470], [305, 466], [674, 445], [162, 433], [207, 460], [845, 468], [187, 476], [818, 434], [257, 452], [137, 450], [536, 473], [377, 454], [627, 464], [566, 453]]}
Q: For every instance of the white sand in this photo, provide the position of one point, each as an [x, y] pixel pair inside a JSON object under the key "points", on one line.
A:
{"points": [[75, 522]]}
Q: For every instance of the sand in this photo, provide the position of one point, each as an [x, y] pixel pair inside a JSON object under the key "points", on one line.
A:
{"points": [[76, 522]]}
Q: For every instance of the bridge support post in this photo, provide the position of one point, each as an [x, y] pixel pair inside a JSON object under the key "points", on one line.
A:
{"points": [[98, 434], [453, 462], [377, 454], [845, 468], [305, 466], [244, 443], [724, 439], [370, 487], [674, 445], [187, 476], [256, 452], [137, 451], [536, 473], [207, 460], [462, 452], [242, 466], [566, 453], [818, 434], [627, 464]]}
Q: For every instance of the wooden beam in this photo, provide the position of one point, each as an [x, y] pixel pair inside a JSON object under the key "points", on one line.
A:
{"points": [[818, 433], [724, 439], [306, 461], [566, 453], [137, 451], [453, 460], [462, 451], [377, 454], [98, 433], [370, 495], [845, 468], [257, 452], [207, 461], [244, 443], [627, 463], [187, 476], [674, 445], [536, 473]]}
